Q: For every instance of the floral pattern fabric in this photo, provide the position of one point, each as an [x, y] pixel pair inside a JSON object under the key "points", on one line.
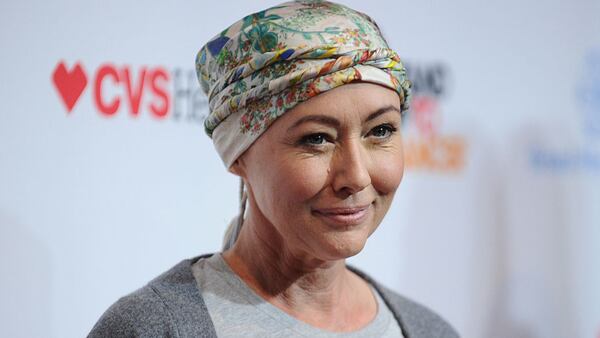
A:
{"points": [[266, 63]]}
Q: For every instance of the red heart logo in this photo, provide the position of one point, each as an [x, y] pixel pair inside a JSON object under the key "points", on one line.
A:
{"points": [[70, 84]]}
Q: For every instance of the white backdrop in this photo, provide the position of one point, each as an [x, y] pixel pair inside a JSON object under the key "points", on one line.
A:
{"points": [[107, 178]]}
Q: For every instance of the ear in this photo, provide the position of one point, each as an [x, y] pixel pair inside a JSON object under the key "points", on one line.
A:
{"points": [[238, 168]]}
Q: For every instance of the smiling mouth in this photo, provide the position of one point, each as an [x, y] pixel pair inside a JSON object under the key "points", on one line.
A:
{"points": [[344, 216]]}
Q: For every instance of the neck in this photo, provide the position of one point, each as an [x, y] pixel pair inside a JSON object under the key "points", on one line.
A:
{"points": [[278, 274], [322, 293]]}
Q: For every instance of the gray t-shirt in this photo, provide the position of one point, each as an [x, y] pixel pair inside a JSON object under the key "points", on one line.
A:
{"points": [[237, 311]]}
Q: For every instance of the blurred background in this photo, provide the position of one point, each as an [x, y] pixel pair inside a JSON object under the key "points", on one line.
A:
{"points": [[107, 178]]}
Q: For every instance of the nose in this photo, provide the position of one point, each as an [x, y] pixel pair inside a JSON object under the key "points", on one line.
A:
{"points": [[350, 168]]}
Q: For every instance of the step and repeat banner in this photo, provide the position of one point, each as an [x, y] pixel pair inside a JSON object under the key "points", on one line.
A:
{"points": [[107, 178]]}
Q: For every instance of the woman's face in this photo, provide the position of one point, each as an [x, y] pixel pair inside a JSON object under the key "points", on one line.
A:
{"points": [[323, 175]]}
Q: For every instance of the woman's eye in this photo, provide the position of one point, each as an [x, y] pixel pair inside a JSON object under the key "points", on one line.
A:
{"points": [[314, 139], [382, 131]]}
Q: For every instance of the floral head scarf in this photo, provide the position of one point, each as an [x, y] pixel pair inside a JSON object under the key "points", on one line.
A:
{"points": [[266, 63]]}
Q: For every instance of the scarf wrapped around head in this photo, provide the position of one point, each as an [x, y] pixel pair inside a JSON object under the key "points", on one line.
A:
{"points": [[266, 63]]}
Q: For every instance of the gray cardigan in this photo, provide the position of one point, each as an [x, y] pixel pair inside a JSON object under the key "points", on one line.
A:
{"points": [[171, 306]]}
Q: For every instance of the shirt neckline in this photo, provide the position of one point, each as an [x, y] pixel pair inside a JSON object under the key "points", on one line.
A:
{"points": [[375, 327]]}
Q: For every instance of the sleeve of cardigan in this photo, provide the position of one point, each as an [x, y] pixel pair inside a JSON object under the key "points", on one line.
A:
{"points": [[139, 314]]}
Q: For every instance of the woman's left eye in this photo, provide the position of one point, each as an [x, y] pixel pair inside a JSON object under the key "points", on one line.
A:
{"points": [[382, 131]]}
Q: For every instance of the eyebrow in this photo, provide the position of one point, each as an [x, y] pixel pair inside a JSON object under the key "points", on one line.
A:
{"points": [[382, 111], [333, 122]]}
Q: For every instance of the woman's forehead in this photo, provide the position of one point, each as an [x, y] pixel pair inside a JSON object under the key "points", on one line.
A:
{"points": [[354, 100]]}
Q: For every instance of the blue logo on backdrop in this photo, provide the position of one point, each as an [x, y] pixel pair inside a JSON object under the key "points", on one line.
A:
{"points": [[587, 156]]}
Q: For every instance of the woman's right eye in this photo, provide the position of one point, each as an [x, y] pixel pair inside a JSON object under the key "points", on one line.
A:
{"points": [[314, 139]]}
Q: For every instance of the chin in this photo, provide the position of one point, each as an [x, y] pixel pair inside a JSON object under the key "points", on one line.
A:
{"points": [[343, 246]]}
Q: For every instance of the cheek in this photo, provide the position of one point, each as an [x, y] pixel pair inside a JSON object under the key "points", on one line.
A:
{"points": [[303, 178], [290, 181], [388, 172]]}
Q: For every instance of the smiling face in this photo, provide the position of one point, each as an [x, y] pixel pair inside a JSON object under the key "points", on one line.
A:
{"points": [[322, 176]]}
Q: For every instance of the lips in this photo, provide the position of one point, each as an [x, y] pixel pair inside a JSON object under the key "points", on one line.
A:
{"points": [[344, 216]]}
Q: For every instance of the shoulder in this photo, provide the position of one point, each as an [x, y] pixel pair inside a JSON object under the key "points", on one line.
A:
{"points": [[141, 313], [417, 320], [169, 305]]}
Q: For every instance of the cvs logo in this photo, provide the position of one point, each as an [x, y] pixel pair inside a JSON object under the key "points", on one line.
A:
{"points": [[149, 80], [70, 84], [115, 89]]}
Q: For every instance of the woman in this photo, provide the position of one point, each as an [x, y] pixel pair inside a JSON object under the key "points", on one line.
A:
{"points": [[306, 101]]}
